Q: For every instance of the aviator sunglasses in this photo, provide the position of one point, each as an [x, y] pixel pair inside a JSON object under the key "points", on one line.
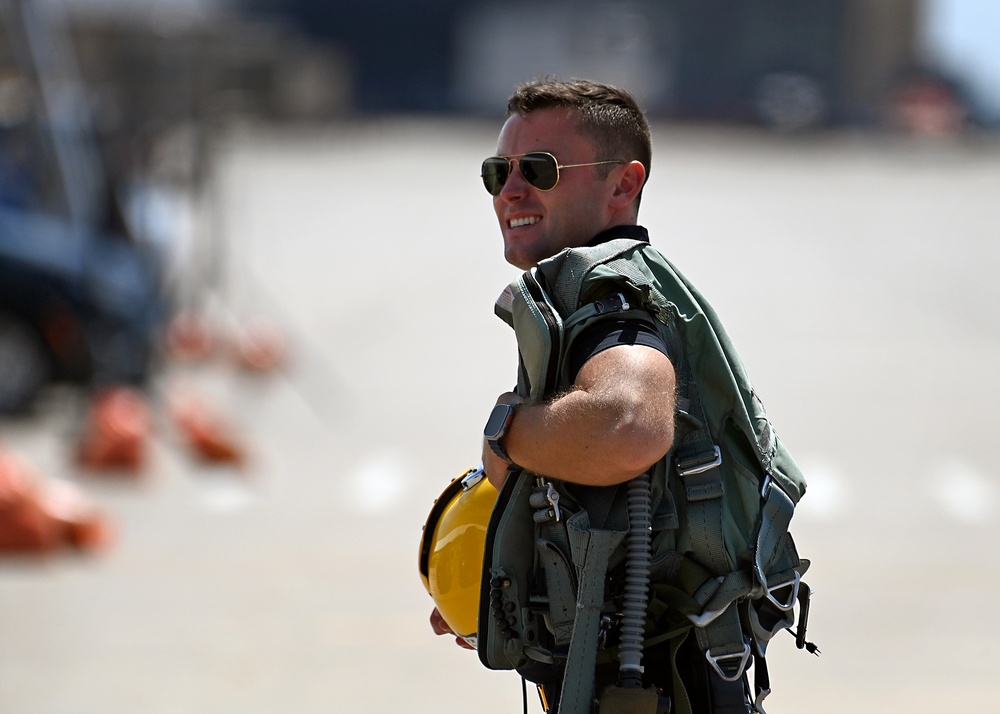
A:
{"points": [[538, 168]]}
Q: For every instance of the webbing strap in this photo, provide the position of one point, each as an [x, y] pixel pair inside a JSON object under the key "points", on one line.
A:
{"points": [[578, 678], [697, 460], [776, 515], [704, 493], [718, 629]]}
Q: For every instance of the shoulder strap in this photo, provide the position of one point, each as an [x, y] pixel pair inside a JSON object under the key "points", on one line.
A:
{"points": [[575, 264]]}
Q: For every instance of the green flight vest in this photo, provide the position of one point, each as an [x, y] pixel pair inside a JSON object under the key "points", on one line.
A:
{"points": [[721, 564]]}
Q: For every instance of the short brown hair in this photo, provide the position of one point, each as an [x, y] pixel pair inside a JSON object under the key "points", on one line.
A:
{"points": [[608, 114]]}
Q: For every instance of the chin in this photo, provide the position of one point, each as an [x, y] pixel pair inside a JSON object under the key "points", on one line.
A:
{"points": [[520, 264], [517, 259]]}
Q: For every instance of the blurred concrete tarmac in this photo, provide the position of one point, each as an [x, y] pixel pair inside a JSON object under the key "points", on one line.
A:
{"points": [[856, 274]]}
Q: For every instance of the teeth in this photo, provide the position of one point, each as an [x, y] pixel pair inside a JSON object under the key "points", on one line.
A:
{"points": [[527, 221]]}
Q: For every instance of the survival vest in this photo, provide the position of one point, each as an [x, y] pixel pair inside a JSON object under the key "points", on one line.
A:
{"points": [[575, 576]]}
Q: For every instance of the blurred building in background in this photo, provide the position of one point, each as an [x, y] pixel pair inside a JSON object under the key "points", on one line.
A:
{"points": [[152, 64], [779, 63]]}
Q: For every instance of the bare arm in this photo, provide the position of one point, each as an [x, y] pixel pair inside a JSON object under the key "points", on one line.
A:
{"points": [[613, 423]]}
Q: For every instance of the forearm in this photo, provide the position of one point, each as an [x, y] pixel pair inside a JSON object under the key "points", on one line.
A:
{"points": [[586, 438], [602, 431]]}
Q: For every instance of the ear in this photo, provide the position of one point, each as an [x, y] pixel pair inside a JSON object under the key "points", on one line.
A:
{"points": [[629, 184]]}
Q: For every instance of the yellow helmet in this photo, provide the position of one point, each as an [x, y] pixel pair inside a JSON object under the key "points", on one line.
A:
{"points": [[451, 550]]}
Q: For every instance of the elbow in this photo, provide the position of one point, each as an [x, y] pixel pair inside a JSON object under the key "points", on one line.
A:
{"points": [[648, 447], [641, 443]]}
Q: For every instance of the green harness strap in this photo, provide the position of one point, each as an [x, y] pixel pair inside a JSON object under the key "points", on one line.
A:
{"points": [[592, 548]]}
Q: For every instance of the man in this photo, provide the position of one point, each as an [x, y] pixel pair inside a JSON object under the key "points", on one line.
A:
{"points": [[617, 418], [572, 159]]}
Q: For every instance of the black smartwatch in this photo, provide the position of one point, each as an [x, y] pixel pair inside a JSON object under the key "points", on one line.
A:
{"points": [[496, 428]]}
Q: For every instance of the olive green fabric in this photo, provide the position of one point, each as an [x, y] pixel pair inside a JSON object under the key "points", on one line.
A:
{"points": [[720, 533]]}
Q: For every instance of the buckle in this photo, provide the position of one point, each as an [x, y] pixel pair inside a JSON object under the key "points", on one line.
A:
{"points": [[472, 478], [545, 503], [741, 658], [612, 303], [785, 606], [552, 496], [687, 468]]}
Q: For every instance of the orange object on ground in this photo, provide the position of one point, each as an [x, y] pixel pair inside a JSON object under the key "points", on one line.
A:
{"points": [[81, 524], [116, 432], [189, 337], [38, 516], [206, 432], [260, 346]]}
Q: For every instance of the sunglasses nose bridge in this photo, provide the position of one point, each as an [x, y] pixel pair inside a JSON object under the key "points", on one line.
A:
{"points": [[513, 182]]}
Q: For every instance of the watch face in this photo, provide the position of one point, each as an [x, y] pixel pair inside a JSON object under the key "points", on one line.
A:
{"points": [[497, 423]]}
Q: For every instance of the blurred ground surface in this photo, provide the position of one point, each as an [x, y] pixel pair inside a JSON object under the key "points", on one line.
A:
{"points": [[856, 275]]}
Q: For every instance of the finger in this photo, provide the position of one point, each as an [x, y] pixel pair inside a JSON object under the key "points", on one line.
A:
{"points": [[438, 624]]}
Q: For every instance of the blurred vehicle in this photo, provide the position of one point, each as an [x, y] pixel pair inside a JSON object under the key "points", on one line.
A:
{"points": [[75, 304], [778, 63], [80, 298]]}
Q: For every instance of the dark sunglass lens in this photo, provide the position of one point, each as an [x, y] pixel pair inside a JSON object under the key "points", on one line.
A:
{"points": [[495, 174], [540, 170]]}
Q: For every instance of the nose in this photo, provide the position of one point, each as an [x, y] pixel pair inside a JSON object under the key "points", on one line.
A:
{"points": [[515, 186]]}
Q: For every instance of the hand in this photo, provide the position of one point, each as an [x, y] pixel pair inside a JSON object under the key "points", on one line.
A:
{"points": [[497, 468], [440, 627]]}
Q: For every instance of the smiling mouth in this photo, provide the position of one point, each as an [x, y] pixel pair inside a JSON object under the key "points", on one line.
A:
{"points": [[526, 221]]}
